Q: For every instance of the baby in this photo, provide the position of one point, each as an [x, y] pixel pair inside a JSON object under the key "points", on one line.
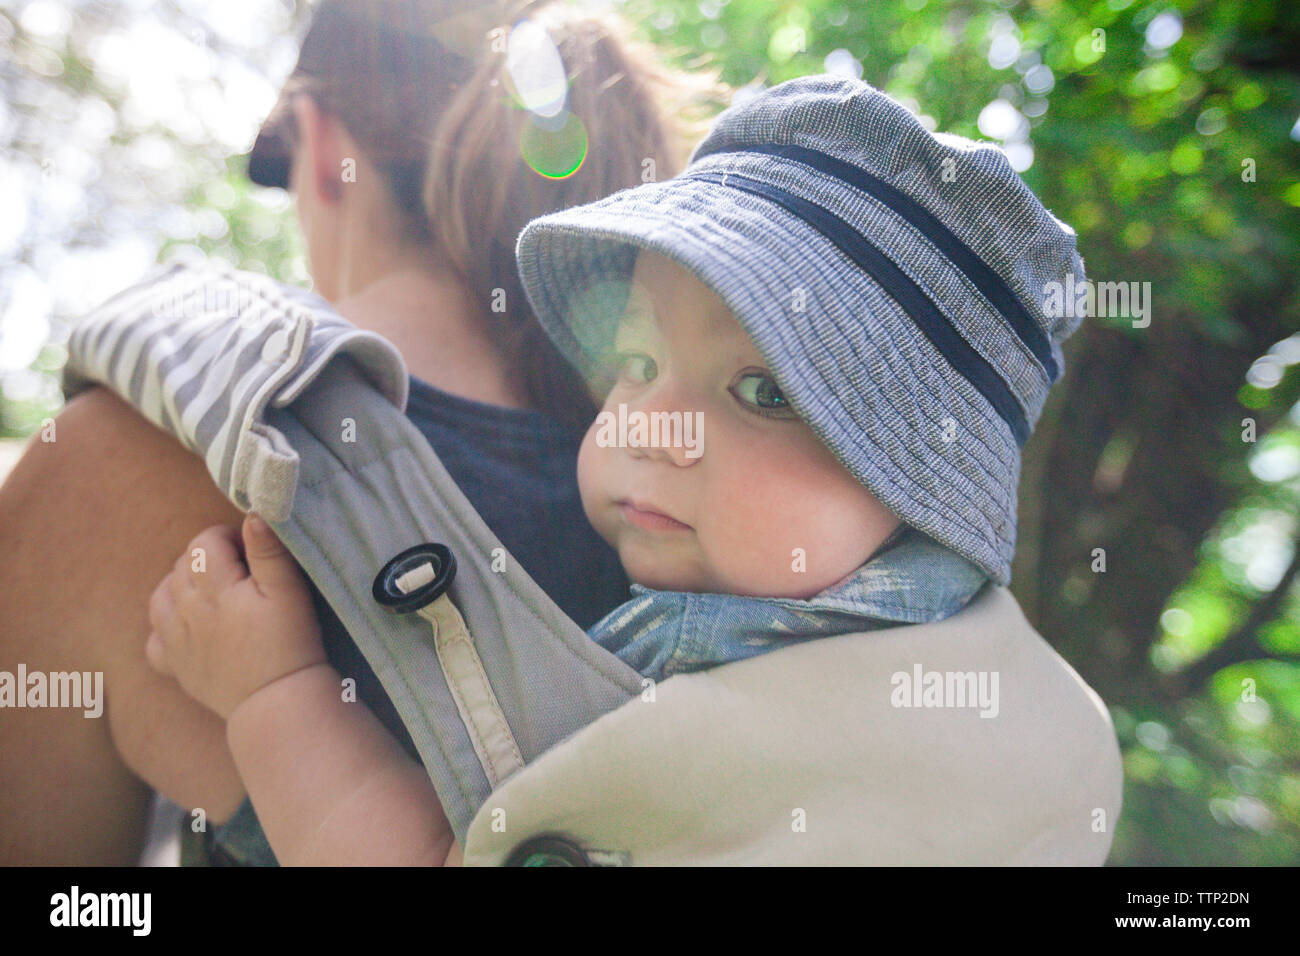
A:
{"points": [[866, 354]]}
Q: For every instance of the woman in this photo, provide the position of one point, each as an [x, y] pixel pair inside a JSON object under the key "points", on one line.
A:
{"points": [[399, 134]]}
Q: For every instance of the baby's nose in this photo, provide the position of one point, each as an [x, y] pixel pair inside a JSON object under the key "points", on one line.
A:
{"points": [[673, 434]]}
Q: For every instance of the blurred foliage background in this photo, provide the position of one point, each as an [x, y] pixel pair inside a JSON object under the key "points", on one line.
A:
{"points": [[1160, 498]]}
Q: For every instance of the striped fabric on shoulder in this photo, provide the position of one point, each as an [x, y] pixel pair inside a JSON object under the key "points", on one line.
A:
{"points": [[202, 352]]}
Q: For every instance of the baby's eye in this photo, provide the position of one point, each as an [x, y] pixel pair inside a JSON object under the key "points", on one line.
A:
{"points": [[635, 368], [761, 391], [622, 368]]}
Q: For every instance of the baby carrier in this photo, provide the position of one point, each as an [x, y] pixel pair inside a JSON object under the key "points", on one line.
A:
{"points": [[543, 747]]}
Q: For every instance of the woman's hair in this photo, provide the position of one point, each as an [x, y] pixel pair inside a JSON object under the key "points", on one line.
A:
{"points": [[425, 90], [641, 119], [424, 87]]}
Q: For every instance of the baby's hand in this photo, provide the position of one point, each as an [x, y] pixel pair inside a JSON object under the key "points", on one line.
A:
{"points": [[226, 629]]}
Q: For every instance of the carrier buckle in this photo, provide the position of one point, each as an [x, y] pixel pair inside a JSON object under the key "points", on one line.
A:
{"points": [[415, 578]]}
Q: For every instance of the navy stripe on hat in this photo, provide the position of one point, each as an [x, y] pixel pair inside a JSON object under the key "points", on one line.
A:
{"points": [[937, 327], [959, 254]]}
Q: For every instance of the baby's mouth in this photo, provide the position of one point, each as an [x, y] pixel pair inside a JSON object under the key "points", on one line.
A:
{"points": [[647, 518]]}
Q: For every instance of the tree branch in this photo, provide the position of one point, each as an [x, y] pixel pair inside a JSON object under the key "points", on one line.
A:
{"points": [[1243, 644]]}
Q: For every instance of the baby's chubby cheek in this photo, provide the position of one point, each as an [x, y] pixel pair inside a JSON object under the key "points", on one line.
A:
{"points": [[591, 486], [665, 562], [775, 516], [790, 525]]}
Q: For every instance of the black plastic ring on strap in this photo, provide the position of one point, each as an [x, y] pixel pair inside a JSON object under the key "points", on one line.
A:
{"points": [[549, 850], [388, 595]]}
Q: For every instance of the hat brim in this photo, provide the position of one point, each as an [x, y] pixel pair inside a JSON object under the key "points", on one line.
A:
{"points": [[875, 391]]}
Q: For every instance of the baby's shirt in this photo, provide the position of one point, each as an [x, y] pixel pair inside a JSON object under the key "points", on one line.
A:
{"points": [[911, 579]]}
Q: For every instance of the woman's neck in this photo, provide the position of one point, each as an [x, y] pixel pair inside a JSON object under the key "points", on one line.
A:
{"points": [[434, 322]]}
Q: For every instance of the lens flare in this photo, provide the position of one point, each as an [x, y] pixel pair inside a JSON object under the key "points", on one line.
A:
{"points": [[535, 70], [554, 151]]}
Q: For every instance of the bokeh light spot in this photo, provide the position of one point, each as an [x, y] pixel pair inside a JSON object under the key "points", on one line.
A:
{"points": [[535, 69]]}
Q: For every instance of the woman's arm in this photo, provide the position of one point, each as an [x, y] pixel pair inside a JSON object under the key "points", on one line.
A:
{"points": [[88, 524]]}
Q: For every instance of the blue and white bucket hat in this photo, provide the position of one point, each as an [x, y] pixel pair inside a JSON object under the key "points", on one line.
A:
{"points": [[893, 279]]}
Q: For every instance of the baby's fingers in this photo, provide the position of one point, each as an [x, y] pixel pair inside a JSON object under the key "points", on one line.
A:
{"points": [[213, 560], [156, 654], [162, 616], [162, 606], [270, 563]]}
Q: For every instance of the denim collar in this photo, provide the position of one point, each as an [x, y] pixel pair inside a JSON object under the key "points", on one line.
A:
{"points": [[911, 579]]}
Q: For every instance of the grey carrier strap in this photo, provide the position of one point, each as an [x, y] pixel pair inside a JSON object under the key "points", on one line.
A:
{"points": [[299, 416]]}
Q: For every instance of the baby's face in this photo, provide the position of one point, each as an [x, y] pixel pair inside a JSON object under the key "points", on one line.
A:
{"points": [[759, 506]]}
